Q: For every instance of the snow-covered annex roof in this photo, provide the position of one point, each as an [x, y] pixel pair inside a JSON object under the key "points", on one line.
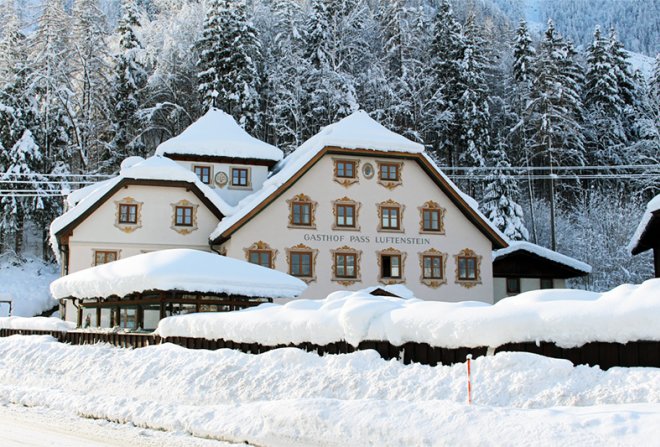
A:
{"points": [[541, 252], [153, 168], [179, 269], [357, 131], [217, 134], [645, 234]]}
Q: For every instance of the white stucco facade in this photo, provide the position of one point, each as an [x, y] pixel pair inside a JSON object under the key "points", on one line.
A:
{"points": [[221, 178], [271, 228]]}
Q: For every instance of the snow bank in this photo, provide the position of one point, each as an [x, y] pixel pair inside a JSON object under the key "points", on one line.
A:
{"points": [[544, 253], [217, 134], [652, 207], [567, 317], [290, 397], [25, 283], [178, 269], [36, 324]]}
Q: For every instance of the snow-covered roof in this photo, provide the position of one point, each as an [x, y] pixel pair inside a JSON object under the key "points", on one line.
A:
{"points": [[356, 131], [153, 168], [217, 134], [652, 207], [515, 246], [178, 269]]}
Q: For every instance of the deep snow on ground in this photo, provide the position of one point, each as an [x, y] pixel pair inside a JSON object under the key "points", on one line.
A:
{"points": [[289, 397], [26, 284]]}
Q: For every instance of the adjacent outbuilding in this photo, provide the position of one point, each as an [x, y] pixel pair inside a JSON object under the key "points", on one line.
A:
{"points": [[523, 266], [138, 291], [647, 235]]}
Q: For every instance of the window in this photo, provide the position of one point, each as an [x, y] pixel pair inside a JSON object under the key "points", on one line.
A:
{"points": [[345, 265], [104, 256], [261, 257], [345, 169], [301, 263], [239, 177], [513, 286], [301, 213], [204, 173], [432, 267], [467, 268], [389, 218], [127, 213], [547, 283], [389, 172], [183, 216], [390, 266], [345, 216], [431, 220]]}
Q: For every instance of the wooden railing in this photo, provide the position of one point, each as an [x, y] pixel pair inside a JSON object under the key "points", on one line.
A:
{"points": [[604, 354]]}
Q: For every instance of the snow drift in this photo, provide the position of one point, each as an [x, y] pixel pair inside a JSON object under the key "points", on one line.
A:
{"points": [[569, 318]]}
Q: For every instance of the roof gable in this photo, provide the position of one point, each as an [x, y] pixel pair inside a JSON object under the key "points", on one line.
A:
{"points": [[217, 134], [647, 234], [283, 180]]}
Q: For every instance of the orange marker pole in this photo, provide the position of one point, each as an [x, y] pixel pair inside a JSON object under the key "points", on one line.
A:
{"points": [[469, 381]]}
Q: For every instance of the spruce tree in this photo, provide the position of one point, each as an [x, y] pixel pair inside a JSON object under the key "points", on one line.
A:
{"points": [[499, 202], [523, 56], [447, 52], [128, 86]]}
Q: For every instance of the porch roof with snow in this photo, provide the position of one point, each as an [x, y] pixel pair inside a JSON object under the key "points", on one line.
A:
{"points": [[154, 170], [216, 136], [526, 260], [181, 269], [647, 234], [357, 134]]}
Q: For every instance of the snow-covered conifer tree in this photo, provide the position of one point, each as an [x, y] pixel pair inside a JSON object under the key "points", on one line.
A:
{"points": [[523, 55], [128, 85], [499, 202]]}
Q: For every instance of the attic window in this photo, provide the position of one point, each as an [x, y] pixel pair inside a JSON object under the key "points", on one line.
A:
{"points": [[127, 213], [240, 177], [204, 173]]}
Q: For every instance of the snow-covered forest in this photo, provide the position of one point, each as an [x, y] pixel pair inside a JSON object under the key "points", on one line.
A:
{"points": [[543, 132]]}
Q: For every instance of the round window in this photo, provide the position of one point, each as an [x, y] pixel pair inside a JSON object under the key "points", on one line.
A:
{"points": [[368, 170]]}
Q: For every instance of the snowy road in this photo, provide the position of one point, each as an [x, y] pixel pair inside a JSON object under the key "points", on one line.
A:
{"points": [[39, 427]]}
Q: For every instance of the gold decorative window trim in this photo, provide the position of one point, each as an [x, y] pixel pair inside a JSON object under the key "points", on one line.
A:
{"points": [[468, 253], [302, 248], [433, 282], [391, 252], [432, 206], [346, 280], [302, 198], [390, 204], [128, 227], [96, 251], [346, 181], [261, 247], [356, 212], [184, 229], [389, 184], [247, 186]]}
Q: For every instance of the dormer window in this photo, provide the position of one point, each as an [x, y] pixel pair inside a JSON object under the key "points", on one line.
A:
{"points": [[204, 173]]}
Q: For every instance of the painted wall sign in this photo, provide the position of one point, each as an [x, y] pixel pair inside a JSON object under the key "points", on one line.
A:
{"points": [[362, 239]]}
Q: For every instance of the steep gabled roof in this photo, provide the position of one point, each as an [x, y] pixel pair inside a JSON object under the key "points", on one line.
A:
{"points": [[217, 134], [647, 234], [357, 134], [152, 171], [524, 259]]}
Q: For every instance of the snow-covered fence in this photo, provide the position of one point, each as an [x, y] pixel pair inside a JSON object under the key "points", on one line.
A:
{"points": [[604, 354]]}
